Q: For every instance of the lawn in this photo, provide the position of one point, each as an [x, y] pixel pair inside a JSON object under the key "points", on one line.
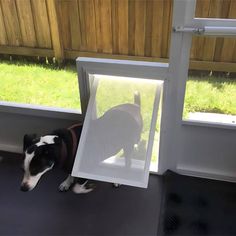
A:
{"points": [[210, 94], [39, 85], [46, 85]]}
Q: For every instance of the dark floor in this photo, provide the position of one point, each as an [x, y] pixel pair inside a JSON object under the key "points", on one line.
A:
{"points": [[45, 211], [195, 206], [172, 205]]}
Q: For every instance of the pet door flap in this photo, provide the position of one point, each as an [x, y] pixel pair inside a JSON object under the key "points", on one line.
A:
{"points": [[118, 132]]}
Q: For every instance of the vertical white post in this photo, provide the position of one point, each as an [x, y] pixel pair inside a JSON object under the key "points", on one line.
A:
{"points": [[174, 87]]}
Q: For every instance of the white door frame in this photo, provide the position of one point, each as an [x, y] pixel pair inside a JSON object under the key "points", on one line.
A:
{"points": [[183, 27]]}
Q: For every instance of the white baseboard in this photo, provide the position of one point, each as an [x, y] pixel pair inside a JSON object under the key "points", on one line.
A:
{"points": [[222, 175], [11, 148]]}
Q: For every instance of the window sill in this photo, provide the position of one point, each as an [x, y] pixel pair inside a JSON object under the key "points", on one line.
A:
{"points": [[40, 111], [209, 124]]}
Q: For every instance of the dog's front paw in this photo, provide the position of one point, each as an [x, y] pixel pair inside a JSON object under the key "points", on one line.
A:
{"points": [[116, 185], [64, 186], [82, 188]]}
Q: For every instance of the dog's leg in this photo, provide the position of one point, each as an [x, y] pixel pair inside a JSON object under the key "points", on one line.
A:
{"points": [[82, 188], [116, 185], [65, 185], [128, 151]]}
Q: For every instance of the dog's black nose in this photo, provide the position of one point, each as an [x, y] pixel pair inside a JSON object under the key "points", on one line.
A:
{"points": [[24, 188]]}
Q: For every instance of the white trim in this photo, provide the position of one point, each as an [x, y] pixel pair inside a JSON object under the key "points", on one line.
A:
{"points": [[206, 173], [213, 22], [208, 124], [124, 68], [156, 106], [88, 67], [174, 89], [207, 30], [111, 180], [40, 111], [11, 148]]}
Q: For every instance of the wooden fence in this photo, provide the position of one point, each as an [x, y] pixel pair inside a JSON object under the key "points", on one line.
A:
{"points": [[125, 29]]}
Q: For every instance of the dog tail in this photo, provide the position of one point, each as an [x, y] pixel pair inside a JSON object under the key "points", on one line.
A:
{"points": [[137, 99]]}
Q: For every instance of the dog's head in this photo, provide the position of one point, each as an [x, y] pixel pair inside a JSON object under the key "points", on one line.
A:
{"points": [[40, 156]]}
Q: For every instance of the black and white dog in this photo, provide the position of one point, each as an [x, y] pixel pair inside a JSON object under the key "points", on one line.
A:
{"points": [[46, 152], [59, 148]]}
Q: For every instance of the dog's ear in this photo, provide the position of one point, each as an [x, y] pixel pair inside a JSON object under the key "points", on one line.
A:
{"points": [[28, 140]]}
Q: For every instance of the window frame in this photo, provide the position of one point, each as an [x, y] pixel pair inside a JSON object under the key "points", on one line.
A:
{"points": [[191, 22], [40, 110], [124, 68]]}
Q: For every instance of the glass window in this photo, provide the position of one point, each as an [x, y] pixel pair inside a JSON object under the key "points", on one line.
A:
{"points": [[211, 92], [26, 83]]}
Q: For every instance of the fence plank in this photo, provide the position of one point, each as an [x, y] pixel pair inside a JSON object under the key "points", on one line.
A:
{"points": [[74, 25], [229, 44], [123, 26], [140, 19], [131, 27], [157, 27], [167, 21], [3, 35], [64, 19], [87, 20], [149, 28], [55, 30], [103, 25], [224, 12], [83, 46], [41, 24], [202, 10], [11, 22], [26, 22], [26, 51], [210, 42], [234, 53], [115, 26]]}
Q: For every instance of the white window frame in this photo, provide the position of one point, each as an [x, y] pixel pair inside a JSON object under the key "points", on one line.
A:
{"points": [[185, 25], [40, 110], [87, 67]]}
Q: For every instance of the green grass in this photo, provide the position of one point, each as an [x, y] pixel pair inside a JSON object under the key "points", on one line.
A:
{"points": [[210, 94], [39, 85], [45, 85]]}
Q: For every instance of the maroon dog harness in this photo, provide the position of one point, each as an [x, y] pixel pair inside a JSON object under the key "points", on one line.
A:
{"points": [[68, 156]]}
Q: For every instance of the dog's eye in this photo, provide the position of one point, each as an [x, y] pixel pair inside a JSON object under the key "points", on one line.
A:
{"points": [[34, 171]]}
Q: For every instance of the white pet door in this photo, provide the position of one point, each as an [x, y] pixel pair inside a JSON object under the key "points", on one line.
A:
{"points": [[117, 138]]}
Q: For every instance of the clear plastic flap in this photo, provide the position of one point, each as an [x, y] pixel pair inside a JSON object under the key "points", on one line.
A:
{"points": [[117, 137]]}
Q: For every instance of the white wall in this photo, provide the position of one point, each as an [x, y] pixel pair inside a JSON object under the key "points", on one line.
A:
{"points": [[13, 126], [206, 151]]}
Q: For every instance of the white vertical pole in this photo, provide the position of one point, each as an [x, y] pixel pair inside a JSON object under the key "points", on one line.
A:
{"points": [[174, 87]]}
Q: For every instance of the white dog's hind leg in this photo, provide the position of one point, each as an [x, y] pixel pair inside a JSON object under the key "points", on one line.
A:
{"points": [[116, 185], [81, 188], [65, 185]]}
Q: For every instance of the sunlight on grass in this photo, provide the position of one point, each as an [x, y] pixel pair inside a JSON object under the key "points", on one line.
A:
{"points": [[210, 94], [39, 85]]}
